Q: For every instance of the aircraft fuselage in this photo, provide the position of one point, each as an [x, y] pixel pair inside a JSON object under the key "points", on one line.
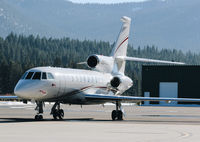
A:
{"points": [[63, 84]]}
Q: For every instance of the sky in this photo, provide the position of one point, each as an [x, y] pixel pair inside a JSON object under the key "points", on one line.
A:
{"points": [[105, 1]]}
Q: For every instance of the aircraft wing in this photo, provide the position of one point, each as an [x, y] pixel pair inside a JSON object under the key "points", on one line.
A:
{"points": [[136, 99], [148, 60], [8, 97]]}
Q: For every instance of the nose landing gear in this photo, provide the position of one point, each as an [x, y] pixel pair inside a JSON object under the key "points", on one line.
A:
{"points": [[117, 114], [57, 112], [39, 108]]}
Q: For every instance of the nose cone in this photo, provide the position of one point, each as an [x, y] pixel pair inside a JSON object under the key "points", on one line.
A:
{"points": [[20, 90], [25, 89], [30, 89]]}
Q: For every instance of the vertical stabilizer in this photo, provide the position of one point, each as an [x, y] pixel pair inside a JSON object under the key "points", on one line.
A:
{"points": [[120, 48]]}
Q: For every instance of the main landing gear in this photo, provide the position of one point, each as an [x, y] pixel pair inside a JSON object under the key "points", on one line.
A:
{"points": [[57, 112], [39, 108], [117, 114]]}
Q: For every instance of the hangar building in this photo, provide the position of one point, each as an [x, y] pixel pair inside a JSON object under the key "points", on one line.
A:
{"points": [[182, 81]]}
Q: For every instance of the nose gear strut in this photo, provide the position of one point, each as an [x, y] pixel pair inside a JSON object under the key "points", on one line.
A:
{"points": [[39, 108], [57, 112]]}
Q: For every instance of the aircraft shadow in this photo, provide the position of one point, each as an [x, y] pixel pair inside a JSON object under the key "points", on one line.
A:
{"points": [[21, 120], [24, 120]]}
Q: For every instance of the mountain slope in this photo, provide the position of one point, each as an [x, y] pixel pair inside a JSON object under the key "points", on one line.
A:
{"points": [[166, 24]]}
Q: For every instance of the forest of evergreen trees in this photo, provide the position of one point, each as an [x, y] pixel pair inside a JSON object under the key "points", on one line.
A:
{"points": [[19, 53]]}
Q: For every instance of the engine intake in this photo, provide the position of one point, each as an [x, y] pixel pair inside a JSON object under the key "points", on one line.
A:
{"points": [[92, 61], [120, 83], [115, 82], [100, 63]]}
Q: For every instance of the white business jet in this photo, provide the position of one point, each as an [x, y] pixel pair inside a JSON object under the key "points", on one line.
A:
{"points": [[105, 82]]}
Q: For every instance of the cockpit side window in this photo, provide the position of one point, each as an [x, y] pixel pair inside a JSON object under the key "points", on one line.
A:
{"points": [[30, 74], [50, 76], [44, 75], [37, 75], [24, 75]]}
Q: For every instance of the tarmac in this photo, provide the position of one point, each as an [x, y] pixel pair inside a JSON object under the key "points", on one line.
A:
{"points": [[93, 124]]}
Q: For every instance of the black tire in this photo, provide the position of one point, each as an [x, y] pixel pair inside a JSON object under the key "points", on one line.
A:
{"points": [[36, 117], [119, 115], [40, 117], [61, 114], [55, 115], [114, 115]]}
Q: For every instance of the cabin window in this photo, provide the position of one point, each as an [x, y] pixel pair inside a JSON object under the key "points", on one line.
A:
{"points": [[71, 77], [97, 79], [77, 79], [30, 74], [82, 78], [50, 76], [24, 75], [44, 75], [93, 79], [37, 75]]}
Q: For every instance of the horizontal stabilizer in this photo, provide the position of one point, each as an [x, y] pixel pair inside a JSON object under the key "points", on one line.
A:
{"points": [[148, 60], [82, 63]]}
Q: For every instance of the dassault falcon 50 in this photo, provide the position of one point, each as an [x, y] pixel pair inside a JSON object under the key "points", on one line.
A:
{"points": [[105, 82]]}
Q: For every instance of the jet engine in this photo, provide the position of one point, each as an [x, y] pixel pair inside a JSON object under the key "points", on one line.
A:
{"points": [[100, 63], [121, 83], [115, 82]]}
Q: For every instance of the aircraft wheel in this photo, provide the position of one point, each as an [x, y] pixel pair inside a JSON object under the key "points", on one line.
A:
{"points": [[58, 114], [38, 117], [119, 115], [114, 115], [55, 115], [61, 114]]}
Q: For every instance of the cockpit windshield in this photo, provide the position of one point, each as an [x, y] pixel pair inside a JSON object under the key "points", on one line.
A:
{"points": [[24, 75], [37, 75], [29, 76], [44, 75]]}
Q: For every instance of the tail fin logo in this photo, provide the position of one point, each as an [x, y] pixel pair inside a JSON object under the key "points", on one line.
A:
{"points": [[121, 44]]}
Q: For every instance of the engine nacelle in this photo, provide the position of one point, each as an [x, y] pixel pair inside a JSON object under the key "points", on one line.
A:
{"points": [[115, 82], [100, 63], [121, 83]]}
